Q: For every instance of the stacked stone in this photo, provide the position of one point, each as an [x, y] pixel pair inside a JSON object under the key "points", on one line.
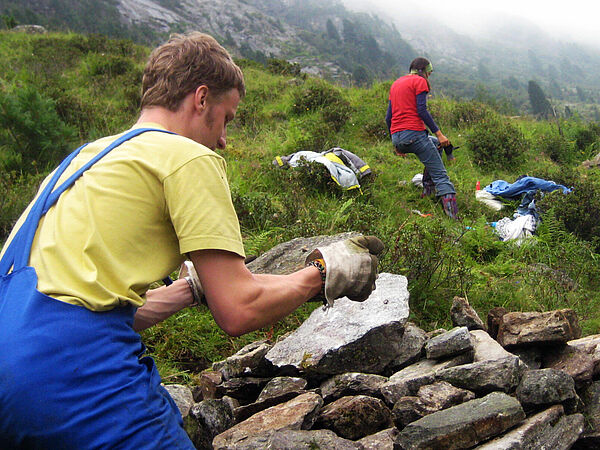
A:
{"points": [[360, 376], [339, 384]]}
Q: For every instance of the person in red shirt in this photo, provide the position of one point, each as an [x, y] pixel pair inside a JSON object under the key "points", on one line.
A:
{"points": [[407, 119]]}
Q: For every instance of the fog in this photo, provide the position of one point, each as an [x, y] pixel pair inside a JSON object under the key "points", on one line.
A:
{"points": [[570, 21]]}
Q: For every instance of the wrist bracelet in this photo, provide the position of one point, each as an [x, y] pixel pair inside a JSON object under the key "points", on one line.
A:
{"points": [[320, 264]]}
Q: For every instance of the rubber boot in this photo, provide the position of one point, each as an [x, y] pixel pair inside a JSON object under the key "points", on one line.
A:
{"points": [[449, 205], [428, 186]]}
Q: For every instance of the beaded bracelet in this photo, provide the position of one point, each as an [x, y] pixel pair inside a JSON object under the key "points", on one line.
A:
{"points": [[320, 264]]}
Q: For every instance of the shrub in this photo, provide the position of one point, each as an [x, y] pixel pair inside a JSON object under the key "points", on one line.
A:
{"points": [[310, 133], [465, 114], [254, 209], [459, 114], [577, 211], [32, 128], [496, 143], [108, 65], [558, 148], [587, 138], [318, 95], [426, 251], [283, 67]]}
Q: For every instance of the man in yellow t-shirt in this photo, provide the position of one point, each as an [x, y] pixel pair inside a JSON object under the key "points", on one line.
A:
{"points": [[68, 319]]}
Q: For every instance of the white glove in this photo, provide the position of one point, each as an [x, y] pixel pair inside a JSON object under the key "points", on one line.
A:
{"points": [[350, 267], [188, 272]]}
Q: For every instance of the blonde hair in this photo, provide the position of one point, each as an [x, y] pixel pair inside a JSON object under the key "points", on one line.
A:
{"points": [[184, 63]]}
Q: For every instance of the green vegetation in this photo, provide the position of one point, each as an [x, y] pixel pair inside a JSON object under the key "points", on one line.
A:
{"points": [[60, 90]]}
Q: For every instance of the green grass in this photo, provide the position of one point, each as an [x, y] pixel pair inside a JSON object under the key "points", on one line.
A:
{"points": [[93, 83]]}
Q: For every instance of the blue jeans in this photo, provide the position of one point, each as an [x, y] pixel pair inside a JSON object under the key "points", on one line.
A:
{"points": [[418, 142]]}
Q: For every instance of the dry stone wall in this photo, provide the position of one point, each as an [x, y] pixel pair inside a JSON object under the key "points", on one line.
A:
{"points": [[360, 376]]}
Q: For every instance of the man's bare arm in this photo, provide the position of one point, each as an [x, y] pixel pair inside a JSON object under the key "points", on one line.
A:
{"points": [[241, 301]]}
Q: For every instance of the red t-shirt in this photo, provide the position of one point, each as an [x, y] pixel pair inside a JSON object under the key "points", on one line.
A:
{"points": [[403, 95]]}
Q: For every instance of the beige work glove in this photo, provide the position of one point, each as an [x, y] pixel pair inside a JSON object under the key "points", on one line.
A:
{"points": [[350, 267], [188, 272]]}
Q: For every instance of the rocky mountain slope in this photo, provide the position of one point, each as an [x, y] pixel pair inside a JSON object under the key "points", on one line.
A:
{"points": [[326, 39], [348, 46]]}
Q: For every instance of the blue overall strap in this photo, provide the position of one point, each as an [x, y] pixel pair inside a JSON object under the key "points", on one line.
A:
{"points": [[20, 253]]}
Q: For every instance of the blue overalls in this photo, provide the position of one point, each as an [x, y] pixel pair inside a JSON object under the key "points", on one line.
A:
{"points": [[71, 378]]}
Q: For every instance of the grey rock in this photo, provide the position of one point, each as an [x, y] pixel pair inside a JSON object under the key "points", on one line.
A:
{"points": [[538, 327], [355, 417], [350, 336], [430, 398], [206, 385], [206, 420], [442, 395], [410, 348], [545, 387], [486, 348], [182, 396], [352, 383], [278, 390], [577, 362], [594, 162], [407, 381], [549, 429], [590, 345], [249, 361], [280, 386], [30, 29], [463, 315], [409, 409], [451, 343], [289, 256], [299, 413], [383, 440], [464, 425], [294, 439], [485, 376]]}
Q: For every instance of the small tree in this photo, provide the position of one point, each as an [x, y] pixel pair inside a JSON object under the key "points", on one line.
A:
{"points": [[539, 102], [33, 129], [332, 31]]}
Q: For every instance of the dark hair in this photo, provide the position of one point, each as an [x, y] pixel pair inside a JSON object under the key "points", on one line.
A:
{"points": [[421, 66], [185, 62]]}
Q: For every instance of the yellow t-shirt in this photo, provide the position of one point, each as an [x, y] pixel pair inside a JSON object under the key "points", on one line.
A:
{"points": [[127, 221]]}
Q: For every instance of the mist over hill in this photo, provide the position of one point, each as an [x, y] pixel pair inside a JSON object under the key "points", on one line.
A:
{"points": [[350, 44]]}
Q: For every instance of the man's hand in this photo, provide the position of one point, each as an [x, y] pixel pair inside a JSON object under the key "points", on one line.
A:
{"points": [[399, 153], [351, 267]]}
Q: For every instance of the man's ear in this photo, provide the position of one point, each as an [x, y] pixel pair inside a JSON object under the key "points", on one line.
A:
{"points": [[201, 98]]}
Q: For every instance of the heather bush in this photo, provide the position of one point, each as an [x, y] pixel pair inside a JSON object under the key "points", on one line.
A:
{"points": [[497, 144], [558, 148], [577, 211]]}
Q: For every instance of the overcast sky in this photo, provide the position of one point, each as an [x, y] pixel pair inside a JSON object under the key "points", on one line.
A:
{"points": [[576, 20]]}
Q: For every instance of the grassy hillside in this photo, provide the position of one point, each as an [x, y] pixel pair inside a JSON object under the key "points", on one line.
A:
{"points": [[60, 90]]}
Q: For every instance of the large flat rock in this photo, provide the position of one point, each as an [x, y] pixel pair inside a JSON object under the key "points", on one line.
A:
{"points": [[350, 336]]}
